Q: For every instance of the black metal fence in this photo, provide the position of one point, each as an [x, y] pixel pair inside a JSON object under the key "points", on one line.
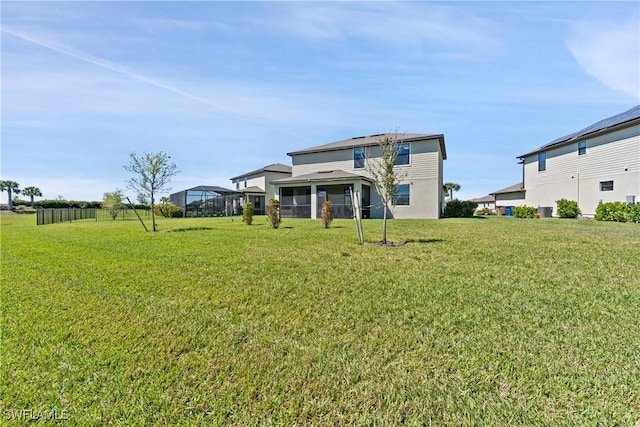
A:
{"points": [[60, 215]]}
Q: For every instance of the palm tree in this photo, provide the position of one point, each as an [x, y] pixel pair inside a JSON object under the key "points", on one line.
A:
{"points": [[32, 192], [451, 187], [10, 187]]}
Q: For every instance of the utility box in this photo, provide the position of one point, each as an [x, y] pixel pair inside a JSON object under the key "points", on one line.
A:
{"points": [[545, 211]]}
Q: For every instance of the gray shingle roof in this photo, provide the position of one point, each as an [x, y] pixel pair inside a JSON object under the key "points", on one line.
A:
{"points": [[333, 175], [516, 188], [605, 125], [276, 167], [371, 140], [484, 199], [252, 189]]}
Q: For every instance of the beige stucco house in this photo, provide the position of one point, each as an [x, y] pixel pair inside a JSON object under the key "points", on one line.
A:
{"points": [[256, 186], [330, 171]]}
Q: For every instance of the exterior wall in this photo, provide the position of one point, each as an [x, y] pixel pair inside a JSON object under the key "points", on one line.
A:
{"points": [[486, 205], [423, 174], [510, 199], [270, 190], [262, 180], [610, 157]]}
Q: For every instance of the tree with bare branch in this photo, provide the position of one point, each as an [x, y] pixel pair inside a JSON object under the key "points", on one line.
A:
{"points": [[152, 173], [384, 173]]}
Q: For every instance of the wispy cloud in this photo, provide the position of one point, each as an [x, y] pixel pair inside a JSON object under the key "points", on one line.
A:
{"points": [[397, 24], [609, 53], [115, 67]]}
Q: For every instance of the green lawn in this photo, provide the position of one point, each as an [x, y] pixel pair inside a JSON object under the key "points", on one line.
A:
{"points": [[495, 321]]}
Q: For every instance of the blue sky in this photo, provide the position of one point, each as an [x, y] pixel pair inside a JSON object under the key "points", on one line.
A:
{"points": [[228, 87]]}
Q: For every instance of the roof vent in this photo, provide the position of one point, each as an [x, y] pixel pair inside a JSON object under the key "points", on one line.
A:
{"points": [[377, 134], [325, 172], [358, 137]]}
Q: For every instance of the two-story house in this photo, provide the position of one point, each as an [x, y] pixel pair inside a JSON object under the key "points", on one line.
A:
{"points": [[600, 163], [331, 171], [256, 186]]}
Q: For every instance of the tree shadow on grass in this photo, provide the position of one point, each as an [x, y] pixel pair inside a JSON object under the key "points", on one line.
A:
{"points": [[180, 230], [425, 240], [401, 243]]}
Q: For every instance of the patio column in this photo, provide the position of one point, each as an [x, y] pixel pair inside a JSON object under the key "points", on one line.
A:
{"points": [[314, 201]]}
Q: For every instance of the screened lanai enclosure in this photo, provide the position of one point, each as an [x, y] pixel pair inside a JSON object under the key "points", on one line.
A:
{"points": [[295, 202], [207, 201]]}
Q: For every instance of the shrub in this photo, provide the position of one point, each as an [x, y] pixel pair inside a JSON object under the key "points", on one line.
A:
{"points": [[611, 211], [568, 208], [524, 211], [618, 212], [633, 213], [167, 210], [327, 213], [49, 203], [484, 211], [273, 213], [247, 213], [459, 209]]}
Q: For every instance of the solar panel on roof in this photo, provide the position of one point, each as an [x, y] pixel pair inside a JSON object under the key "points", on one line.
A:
{"points": [[609, 122]]}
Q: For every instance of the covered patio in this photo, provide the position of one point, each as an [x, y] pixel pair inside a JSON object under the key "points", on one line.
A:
{"points": [[302, 196]]}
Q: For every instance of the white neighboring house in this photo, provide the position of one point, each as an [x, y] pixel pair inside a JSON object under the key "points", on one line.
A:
{"points": [[256, 186], [600, 163], [485, 202], [508, 198], [329, 171]]}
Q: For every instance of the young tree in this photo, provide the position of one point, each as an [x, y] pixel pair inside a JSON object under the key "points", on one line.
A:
{"points": [[11, 187], [451, 187], [327, 213], [385, 175], [152, 174], [113, 202], [247, 213], [273, 213], [32, 192]]}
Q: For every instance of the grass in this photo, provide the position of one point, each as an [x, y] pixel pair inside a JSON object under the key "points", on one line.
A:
{"points": [[493, 321]]}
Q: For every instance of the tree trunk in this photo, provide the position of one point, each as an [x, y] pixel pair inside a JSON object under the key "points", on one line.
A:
{"points": [[153, 214], [384, 224], [33, 203]]}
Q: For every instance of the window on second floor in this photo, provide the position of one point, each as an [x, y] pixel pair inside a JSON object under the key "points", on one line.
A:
{"points": [[404, 154], [358, 158], [606, 185], [582, 148], [542, 161]]}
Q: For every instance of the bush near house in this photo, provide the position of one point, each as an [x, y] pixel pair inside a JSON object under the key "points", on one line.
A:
{"points": [[524, 211], [247, 213], [484, 212], [273, 213], [327, 213], [618, 212], [460, 209], [568, 208]]}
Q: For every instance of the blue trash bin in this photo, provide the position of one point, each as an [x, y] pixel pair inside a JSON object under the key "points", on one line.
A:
{"points": [[509, 211]]}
